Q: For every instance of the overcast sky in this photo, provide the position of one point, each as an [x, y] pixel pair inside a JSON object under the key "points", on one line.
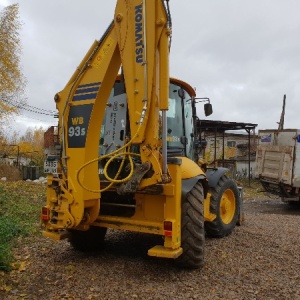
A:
{"points": [[242, 54]]}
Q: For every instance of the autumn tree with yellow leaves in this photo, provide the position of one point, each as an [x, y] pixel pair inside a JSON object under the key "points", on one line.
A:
{"points": [[12, 81], [25, 149], [30, 145]]}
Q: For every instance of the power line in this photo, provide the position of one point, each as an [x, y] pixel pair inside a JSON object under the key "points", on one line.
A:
{"points": [[30, 108], [41, 109], [45, 121]]}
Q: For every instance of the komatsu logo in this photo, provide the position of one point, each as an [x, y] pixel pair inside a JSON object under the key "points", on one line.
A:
{"points": [[139, 45]]}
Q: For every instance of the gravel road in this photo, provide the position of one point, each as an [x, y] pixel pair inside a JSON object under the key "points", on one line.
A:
{"points": [[260, 260]]}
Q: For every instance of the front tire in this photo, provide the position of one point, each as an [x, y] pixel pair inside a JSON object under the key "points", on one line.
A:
{"points": [[225, 204], [192, 229], [90, 240]]}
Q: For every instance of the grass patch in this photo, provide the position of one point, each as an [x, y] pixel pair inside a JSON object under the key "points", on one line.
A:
{"points": [[20, 204]]}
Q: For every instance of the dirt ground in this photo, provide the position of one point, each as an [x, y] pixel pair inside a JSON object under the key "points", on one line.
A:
{"points": [[271, 206], [259, 260], [258, 201]]}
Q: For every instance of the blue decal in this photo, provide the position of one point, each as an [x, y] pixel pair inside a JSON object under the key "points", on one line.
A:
{"points": [[298, 138], [139, 44], [89, 84], [86, 91], [85, 97], [266, 138], [89, 90]]}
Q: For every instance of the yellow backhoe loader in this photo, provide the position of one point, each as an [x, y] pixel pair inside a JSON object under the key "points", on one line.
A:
{"points": [[126, 157]]}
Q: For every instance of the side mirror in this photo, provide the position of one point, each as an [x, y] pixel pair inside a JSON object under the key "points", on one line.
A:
{"points": [[208, 109]]}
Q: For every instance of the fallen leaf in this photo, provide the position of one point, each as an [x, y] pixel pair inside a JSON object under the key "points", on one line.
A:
{"points": [[22, 266], [23, 295], [70, 267], [5, 288]]}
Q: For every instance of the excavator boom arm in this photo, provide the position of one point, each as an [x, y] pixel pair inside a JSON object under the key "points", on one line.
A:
{"points": [[137, 41]]}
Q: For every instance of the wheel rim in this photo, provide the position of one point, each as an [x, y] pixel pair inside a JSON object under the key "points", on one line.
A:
{"points": [[227, 206]]}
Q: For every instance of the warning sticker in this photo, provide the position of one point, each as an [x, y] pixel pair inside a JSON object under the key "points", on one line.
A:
{"points": [[102, 53]]}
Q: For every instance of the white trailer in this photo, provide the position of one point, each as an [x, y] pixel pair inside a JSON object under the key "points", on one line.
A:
{"points": [[278, 162]]}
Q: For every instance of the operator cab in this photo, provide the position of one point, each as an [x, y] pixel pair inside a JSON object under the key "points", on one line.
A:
{"points": [[181, 118]]}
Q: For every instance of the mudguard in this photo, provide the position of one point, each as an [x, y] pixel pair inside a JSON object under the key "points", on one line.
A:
{"points": [[188, 184], [214, 175]]}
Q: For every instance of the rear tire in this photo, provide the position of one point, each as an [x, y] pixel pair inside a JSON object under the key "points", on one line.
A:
{"points": [[90, 240], [192, 229], [225, 204]]}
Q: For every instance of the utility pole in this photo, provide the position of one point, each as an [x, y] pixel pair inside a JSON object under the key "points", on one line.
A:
{"points": [[281, 122]]}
